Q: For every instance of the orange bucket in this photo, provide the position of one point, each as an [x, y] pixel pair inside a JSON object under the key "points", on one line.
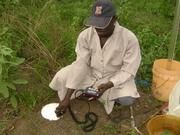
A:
{"points": [[165, 75], [164, 125]]}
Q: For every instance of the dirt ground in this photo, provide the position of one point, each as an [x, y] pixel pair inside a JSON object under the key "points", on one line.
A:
{"points": [[32, 123]]}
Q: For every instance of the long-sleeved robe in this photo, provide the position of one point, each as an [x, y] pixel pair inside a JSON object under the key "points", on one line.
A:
{"points": [[118, 62]]}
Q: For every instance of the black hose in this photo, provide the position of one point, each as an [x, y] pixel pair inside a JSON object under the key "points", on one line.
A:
{"points": [[89, 123]]}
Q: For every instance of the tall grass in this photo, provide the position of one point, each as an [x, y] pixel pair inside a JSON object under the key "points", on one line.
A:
{"points": [[45, 33]]}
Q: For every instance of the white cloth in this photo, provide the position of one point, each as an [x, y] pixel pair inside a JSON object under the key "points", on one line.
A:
{"points": [[118, 61], [174, 101]]}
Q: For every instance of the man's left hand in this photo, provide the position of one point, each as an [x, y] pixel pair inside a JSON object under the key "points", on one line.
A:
{"points": [[105, 86]]}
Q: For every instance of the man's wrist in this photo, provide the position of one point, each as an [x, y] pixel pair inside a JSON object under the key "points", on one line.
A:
{"points": [[110, 84]]}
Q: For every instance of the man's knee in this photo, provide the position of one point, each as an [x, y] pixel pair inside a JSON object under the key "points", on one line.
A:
{"points": [[59, 79], [63, 73], [125, 101]]}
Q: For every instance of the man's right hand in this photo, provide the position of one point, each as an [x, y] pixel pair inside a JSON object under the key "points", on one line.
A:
{"points": [[61, 109], [63, 105]]}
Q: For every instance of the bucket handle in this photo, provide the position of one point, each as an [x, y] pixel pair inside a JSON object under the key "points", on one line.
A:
{"points": [[156, 87]]}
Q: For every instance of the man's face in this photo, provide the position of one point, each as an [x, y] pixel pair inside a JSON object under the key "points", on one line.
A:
{"points": [[106, 32]]}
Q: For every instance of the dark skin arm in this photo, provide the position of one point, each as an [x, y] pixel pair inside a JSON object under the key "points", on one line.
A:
{"points": [[63, 105], [105, 86]]}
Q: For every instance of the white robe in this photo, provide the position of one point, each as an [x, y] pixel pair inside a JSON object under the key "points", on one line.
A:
{"points": [[118, 62]]}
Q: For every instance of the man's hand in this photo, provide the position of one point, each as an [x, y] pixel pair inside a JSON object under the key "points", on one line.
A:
{"points": [[105, 86], [63, 105], [61, 109]]}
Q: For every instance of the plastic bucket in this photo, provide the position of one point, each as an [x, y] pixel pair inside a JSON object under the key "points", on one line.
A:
{"points": [[165, 75], [164, 125]]}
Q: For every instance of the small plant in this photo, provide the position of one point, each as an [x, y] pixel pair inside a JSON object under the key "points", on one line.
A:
{"points": [[8, 65], [110, 128], [27, 98], [153, 46], [132, 132], [2, 126], [166, 132]]}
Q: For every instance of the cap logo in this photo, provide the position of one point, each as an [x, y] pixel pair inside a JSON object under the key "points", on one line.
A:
{"points": [[98, 10]]}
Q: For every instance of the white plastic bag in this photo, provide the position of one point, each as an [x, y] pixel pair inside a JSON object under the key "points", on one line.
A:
{"points": [[174, 100], [48, 111]]}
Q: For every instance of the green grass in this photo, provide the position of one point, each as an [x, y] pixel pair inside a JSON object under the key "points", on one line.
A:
{"points": [[110, 128], [2, 126], [132, 132], [45, 32]]}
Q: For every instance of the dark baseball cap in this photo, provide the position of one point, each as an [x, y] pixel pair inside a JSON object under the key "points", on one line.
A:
{"points": [[102, 13]]}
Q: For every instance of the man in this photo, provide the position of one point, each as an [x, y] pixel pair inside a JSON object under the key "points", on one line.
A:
{"points": [[108, 57]]}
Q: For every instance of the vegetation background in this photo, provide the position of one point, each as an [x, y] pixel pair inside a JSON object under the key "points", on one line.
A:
{"points": [[38, 37]]}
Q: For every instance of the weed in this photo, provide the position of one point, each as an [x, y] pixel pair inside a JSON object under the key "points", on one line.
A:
{"points": [[132, 132], [8, 65], [110, 128], [27, 98], [2, 126], [166, 132], [45, 32]]}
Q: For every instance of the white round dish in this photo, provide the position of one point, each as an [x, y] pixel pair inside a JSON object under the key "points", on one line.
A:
{"points": [[48, 111]]}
